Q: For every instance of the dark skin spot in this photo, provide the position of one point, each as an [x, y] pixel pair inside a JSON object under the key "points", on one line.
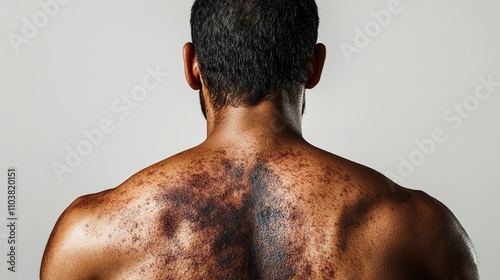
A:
{"points": [[308, 269], [170, 223], [242, 220]]}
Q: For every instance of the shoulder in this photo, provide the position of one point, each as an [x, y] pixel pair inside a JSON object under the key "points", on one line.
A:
{"points": [[96, 225], [446, 249], [416, 224], [110, 222], [431, 236], [69, 254]]}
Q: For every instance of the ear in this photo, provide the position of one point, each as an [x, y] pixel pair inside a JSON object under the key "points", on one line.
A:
{"points": [[191, 67], [316, 66]]}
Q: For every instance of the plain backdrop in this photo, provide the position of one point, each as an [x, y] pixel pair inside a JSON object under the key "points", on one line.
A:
{"points": [[372, 106]]}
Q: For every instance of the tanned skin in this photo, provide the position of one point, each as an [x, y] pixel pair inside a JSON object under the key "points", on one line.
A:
{"points": [[256, 201]]}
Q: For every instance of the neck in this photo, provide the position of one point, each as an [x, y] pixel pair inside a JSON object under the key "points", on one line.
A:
{"points": [[266, 123]]}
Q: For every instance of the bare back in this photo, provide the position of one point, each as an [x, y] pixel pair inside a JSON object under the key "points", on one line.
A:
{"points": [[289, 213]]}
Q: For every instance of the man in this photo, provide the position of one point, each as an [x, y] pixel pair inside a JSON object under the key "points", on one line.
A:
{"points": [[255, 200]]}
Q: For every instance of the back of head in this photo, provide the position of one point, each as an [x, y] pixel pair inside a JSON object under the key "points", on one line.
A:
{"points": [[253, 50]]}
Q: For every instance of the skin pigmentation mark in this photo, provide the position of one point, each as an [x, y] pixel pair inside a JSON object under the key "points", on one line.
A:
{"points": [[239, 212]]}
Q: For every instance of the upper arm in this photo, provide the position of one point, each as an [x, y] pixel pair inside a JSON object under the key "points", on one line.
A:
{"points": [[447, 251], [68, 254]]}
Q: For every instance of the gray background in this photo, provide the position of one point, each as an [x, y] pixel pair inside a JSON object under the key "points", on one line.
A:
{"points": [[371, 110]]}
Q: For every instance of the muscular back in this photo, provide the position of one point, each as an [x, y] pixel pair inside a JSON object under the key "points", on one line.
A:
{"points": [[287, 213]]}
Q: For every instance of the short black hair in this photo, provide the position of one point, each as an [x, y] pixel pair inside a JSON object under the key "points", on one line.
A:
{"points": [[253, 50]]}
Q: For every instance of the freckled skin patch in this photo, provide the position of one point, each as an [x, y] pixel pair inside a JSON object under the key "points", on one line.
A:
{"points": [[248, 232]]}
